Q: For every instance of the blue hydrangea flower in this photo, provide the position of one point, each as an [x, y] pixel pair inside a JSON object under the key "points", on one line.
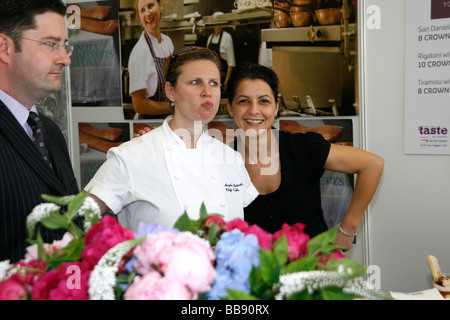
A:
{"points": [[236, 254]]}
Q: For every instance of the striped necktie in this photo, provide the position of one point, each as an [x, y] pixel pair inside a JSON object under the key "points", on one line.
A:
{"points": [[37, 126]]}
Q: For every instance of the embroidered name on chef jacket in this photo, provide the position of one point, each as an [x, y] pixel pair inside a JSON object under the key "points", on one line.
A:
{"points": [[233, 187]]}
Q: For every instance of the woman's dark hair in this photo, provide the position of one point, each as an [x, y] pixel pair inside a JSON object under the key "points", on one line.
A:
{"points": [[17, 16], [183, 55], [251, 71]]}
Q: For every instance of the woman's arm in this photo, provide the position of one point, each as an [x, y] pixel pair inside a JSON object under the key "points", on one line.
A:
{"points": [[368, 168], [147, 106]]}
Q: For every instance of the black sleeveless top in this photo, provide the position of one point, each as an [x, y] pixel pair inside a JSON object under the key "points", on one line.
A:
{"points": [[298, 198]]}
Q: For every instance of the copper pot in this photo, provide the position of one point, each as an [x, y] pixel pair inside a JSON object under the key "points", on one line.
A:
{"points": [[304, 2], [281, 18], [295, 8], [300, 18], [328, 16], [283, 4]]}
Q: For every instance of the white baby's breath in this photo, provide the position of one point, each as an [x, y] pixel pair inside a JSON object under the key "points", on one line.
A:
{"points": [[5, 270], [315, 280], [102, 282], [90, 210], [40, 212], [103, 278]]}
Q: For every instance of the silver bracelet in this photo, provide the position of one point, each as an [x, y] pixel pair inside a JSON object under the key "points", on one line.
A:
{"points": [[345, 233]]}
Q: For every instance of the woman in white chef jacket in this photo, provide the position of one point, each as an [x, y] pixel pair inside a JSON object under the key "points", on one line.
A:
{"points": [[146, 61], [177, 166]]}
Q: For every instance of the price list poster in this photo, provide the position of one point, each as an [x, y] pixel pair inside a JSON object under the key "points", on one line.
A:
{"points": [[427, 77]]}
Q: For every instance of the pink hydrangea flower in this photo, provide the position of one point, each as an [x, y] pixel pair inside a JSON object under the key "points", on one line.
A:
{"points": [[103, 236], [153, 286], [190, 261], [69, 282], [147, 253], [237, 224], [13, 290], [32, 251], [182, 257], [296, 238], [264, 237], [29, 278]]}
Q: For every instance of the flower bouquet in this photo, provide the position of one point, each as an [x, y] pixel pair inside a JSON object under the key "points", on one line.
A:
{"points": [[207, 258]]}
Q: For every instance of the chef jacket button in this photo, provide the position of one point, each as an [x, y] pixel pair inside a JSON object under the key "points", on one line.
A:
{"points": [[222, 204], [213, 177], [175, 177], [169, 148]]}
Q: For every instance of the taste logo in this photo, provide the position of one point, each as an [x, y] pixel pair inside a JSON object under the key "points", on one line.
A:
{"points": [[440, 9], [433, 131]]}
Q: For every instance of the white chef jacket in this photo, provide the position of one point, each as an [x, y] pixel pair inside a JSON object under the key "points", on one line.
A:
{"points": [[156, 178], [226, 47], [141, 67]]}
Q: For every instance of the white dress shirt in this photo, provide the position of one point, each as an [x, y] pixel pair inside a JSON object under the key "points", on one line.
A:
{"points": [[19, 111], [155, 178]]}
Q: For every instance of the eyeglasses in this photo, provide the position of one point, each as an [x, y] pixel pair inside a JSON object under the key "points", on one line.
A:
{"points": [[183, 50], [52, 47]]}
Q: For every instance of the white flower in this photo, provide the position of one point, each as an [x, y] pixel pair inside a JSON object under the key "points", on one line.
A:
{"points": [[103, 278], [102, 282], [5, 270], [315, 280], [90, 210], [40, 212]]}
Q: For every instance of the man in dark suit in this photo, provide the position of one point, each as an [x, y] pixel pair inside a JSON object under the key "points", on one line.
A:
{"points": [[33, 54]]}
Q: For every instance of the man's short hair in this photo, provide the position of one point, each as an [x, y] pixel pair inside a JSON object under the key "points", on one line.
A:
{"points": [[17, 16]]}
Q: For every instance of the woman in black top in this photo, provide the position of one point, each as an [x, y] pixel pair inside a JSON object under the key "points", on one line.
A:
{"points": [[286, 168]]}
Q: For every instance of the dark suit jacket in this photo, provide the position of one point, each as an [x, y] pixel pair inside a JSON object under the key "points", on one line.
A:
{"points": [[24, 177]]}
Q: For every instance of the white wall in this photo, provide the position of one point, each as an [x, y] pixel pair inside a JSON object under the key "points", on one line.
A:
{"points": [[409, 217]]}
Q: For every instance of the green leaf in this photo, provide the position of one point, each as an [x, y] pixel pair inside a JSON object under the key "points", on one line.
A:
{"points": [[281, 250], [183, 223], [257, 285], [357, 269], [71, 252], [270, 269], [60, 201], [212, 234], [321, 241], [55, 221], [303, 264], [40, 245], [301, 295], [75, 204], [203, 212], [239, 295], [74, 249], [334, 293]]}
